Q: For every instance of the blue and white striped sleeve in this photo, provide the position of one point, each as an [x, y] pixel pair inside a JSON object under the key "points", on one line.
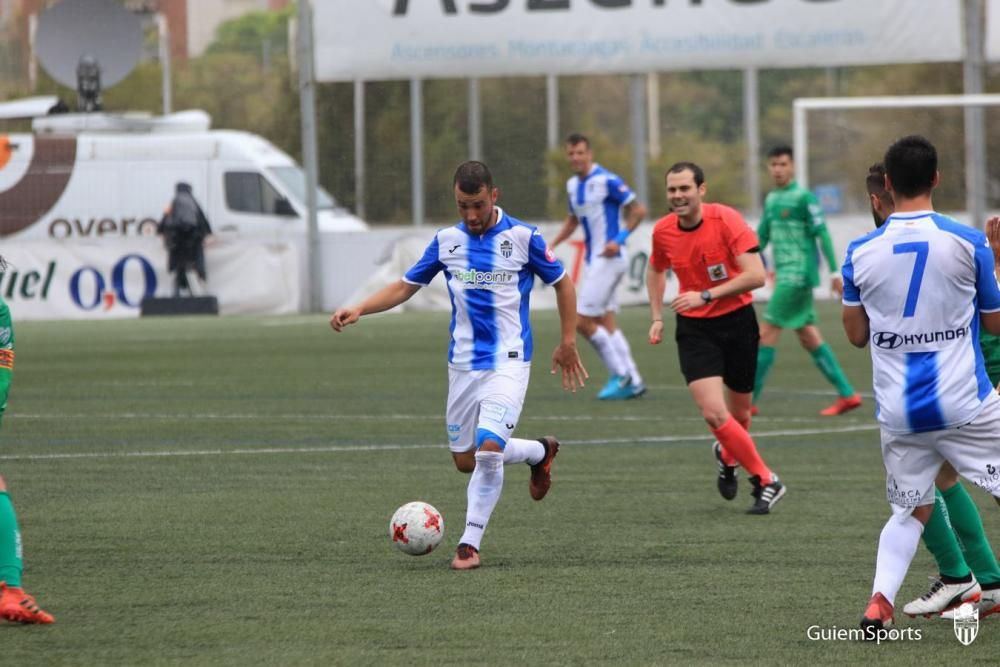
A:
{"points": [[427, 267], [619, 192], [987, 290], [542, 261], [852, 295]]}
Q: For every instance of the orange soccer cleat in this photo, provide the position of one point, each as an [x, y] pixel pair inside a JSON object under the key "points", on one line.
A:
{"points": [[878, 614], [466, 558], [19, 607], [541, 472], [842, 405]]}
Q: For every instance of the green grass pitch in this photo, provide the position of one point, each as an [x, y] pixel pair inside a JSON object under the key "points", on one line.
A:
{"points": [[216, 491]]}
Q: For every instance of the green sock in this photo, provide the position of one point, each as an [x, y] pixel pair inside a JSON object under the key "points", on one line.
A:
{"points": [[10, 543], [969, 528], [940, 540], [765, 359], [827, 364]]}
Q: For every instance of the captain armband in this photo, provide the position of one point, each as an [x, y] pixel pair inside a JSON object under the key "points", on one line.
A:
{"points": [[7, 359], [622, 236]]}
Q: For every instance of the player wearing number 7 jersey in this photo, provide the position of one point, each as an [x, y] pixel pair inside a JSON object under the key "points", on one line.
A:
{"points": [[918, 288]]}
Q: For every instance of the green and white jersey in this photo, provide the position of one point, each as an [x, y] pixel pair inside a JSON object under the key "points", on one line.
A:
{"points": [[793, 221]]}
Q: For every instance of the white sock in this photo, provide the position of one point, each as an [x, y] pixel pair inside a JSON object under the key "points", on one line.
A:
{"points": [[606, 349], [483, 494], [896, 548], [519, 450], [625, 352]]}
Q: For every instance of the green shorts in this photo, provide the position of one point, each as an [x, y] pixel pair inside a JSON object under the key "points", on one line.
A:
{"points": [[990, 346], [790, 307]]}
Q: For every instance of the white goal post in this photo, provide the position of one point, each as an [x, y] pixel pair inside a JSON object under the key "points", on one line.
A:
{"points": [[803, 105]]}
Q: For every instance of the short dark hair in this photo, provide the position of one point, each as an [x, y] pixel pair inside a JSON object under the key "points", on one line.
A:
{"points": [[875, 181], [577, 138], [473, 176], [678, 167], [781, 149], [911, 164], [875, 184]]}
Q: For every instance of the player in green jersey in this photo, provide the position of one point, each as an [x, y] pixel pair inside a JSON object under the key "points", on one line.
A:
{"points": [[793, 223], [954, 533], [15, 604]]}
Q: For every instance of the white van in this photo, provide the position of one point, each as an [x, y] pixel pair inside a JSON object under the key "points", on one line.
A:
{"points": [[96, 175]]}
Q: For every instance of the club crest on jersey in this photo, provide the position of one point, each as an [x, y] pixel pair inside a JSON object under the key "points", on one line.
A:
{"points": [[506, 248], [717, 272]]}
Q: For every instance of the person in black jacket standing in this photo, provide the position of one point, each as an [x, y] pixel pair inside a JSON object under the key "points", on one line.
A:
{"points": [[184, 228]]}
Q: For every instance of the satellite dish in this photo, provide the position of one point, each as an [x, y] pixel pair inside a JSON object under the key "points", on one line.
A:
{"points": [[85, 44]]}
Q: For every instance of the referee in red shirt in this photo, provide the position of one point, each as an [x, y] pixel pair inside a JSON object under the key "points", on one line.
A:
{"points": [[716, 257]]}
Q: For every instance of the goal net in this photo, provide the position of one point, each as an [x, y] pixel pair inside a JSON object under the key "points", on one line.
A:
{"points": [[837, 138]]}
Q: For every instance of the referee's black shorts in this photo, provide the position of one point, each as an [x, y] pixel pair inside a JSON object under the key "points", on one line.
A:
{"points": [[723, 346]]}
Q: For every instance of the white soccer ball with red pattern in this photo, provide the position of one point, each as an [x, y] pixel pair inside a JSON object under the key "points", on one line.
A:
{"points": [[416, 528]]}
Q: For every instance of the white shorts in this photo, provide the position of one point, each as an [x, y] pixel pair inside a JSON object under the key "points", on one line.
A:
{"points": [[490, 399], [596, 293], [912, 460]]}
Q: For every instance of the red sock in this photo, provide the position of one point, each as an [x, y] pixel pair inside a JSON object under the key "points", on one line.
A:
{"points": [[728, 458], [738, 444]]}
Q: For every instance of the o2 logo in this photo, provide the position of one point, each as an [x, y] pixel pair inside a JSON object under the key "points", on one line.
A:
{"points": [[89, 288]]}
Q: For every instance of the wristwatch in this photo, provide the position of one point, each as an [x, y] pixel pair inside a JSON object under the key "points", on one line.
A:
{"points": [[706, 296]]}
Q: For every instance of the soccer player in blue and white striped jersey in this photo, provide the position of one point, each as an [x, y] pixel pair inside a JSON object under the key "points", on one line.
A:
{"points": [[918, 288], [607, 209], [489, 261], [954, 534]]}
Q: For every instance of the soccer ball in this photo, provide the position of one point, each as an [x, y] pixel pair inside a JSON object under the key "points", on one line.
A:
{"points": [[416, 528]]}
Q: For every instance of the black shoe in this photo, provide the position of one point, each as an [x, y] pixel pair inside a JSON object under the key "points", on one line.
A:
{"points": [[766, 496], [727, 474]]}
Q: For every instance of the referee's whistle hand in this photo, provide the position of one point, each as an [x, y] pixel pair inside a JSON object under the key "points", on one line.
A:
{"points": [[656, 333]]}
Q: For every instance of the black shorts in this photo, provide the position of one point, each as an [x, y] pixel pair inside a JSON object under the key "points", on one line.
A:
{"points": [[724, 346]]}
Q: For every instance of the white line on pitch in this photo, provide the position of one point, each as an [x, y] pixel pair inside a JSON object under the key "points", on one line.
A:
{"points": [[771, 391], [209, 416], [333, 449]]}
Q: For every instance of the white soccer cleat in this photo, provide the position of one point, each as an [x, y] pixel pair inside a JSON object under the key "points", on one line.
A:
{"points": [[989, 604], [943, 597]]}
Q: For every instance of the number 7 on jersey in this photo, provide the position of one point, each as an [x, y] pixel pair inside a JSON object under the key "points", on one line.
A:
{"points": [[921, 249]]}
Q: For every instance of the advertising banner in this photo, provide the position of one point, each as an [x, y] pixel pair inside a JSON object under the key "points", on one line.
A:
{"points": [[992, 46], [52, 280], [402, 39]]}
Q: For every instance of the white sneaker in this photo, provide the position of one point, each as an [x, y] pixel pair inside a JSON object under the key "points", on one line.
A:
{"points": [[943, 597], [989, 604]]}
